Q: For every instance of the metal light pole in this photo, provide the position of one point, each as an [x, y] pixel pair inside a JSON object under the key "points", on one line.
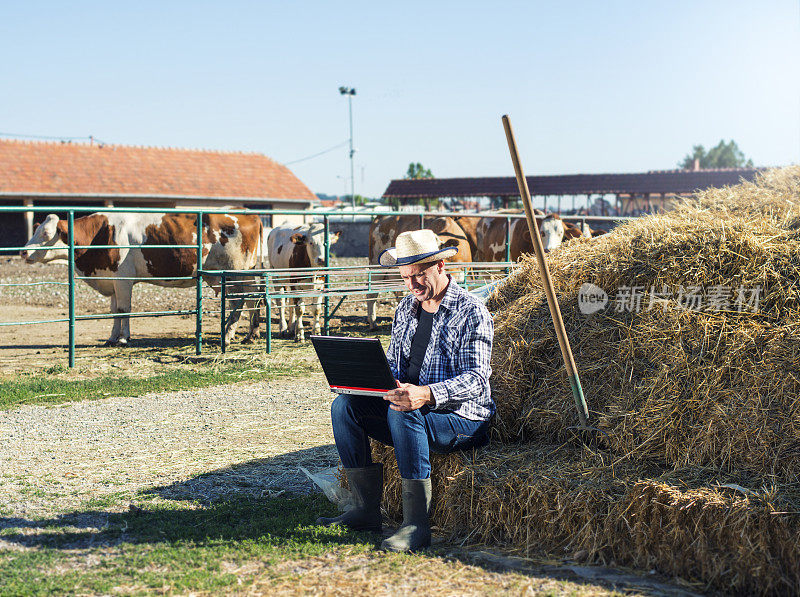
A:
{"points": [[350, 92]]}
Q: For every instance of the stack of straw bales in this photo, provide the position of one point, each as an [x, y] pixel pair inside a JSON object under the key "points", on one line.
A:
{"points": [[697, 471]]}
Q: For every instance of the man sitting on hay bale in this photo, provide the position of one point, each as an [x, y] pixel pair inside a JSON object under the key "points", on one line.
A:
{"points": [[439, 354]]}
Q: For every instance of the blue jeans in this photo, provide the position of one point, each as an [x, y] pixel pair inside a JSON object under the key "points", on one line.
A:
{"points": [[413, 434]]}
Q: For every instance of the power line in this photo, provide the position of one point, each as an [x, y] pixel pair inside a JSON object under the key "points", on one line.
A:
{"points": [[342, 144]]}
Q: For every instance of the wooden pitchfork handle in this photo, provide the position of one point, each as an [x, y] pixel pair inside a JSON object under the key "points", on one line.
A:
{"points": [[555, 311]]}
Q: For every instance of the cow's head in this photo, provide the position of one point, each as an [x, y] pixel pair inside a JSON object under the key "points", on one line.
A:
{"points": [[552, 229], [49, 242], [313, 239]]}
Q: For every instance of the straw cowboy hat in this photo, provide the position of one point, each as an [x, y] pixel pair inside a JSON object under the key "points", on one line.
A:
{"points": [[415, 246]]}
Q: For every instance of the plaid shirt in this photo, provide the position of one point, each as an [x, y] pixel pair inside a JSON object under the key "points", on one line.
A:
{"points": [[456, 366]]}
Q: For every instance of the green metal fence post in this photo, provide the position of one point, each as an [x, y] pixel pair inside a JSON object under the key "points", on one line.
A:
{"points": [[198, 333], [268, 312], [508, 243], [223, 291], [71, 274], [326, 320]]}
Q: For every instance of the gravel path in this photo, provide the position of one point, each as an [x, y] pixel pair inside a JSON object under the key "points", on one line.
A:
{"points": [[192, 444]]}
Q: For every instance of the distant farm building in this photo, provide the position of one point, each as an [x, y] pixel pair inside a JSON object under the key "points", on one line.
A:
{"points": [[99, 175], [597, 194]]}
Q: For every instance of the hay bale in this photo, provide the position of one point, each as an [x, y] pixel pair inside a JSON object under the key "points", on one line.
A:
{"points": [[540, 499], [708, 388]]}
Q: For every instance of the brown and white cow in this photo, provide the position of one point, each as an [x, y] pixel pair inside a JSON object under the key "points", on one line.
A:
{"points": [[492, 236], [576, 231], [229, 242], [382, 234], [469, 224], [589, 232], [293, 247]]}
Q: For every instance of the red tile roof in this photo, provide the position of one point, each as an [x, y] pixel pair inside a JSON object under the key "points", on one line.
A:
{"points": [[662, 181], [81, 168]]}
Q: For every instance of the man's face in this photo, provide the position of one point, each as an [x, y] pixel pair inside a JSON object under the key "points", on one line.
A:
{"points": [[424, 280]]}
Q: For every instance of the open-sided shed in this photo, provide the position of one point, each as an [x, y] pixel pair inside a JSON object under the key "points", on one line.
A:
{"points": [[633, 193]]}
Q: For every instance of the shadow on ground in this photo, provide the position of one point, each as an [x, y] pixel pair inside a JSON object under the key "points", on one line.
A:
{"points": [[237, 502], [276, 519], [264, 477]]}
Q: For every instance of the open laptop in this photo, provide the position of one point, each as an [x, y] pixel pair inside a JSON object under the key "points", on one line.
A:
{"points": [[354, 365]]}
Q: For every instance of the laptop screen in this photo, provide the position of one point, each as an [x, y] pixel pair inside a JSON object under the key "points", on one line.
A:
{"points": [[354, 363]]}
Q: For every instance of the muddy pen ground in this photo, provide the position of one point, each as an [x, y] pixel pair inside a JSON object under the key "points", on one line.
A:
{"points": [[150, 469]]}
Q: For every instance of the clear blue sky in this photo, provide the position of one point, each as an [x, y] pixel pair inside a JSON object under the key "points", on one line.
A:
{"points": [[611, 86]]}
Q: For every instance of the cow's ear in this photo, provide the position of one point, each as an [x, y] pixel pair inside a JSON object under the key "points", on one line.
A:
{"points": [[298, 239], [63, 230]]}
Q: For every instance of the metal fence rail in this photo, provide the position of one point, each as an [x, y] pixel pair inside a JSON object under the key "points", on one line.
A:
{"points": [[335, 282], [315, 284]]}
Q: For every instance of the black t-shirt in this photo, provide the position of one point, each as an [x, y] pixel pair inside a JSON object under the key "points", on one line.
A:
{"points": [[419, 344]]}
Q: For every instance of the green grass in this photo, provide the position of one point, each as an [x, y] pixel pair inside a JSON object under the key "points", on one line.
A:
{"points": [[40, 389], [179, 546]]}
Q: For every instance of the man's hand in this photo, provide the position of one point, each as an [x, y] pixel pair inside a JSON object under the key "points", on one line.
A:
{"points": [[408, 397]]}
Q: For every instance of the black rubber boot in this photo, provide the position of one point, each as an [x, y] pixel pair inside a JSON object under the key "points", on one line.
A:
{"points": [[415, 532], [366, 485]]}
